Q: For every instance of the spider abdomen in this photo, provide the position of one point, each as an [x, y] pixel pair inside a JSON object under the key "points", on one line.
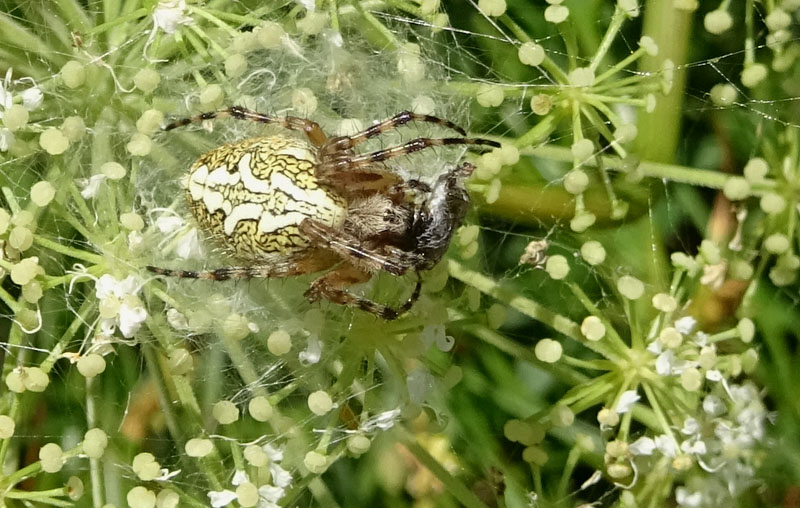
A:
{"points": [[252, 196]]}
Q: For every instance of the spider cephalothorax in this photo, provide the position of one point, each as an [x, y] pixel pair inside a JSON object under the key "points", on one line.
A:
{"points": [[285, 207]]}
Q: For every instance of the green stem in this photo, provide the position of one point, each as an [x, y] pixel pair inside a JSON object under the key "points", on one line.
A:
{"points": [[559, 370], [611, 34], [672, 172], [124, 18], [68, 251], [671, 29], [559, 323]]}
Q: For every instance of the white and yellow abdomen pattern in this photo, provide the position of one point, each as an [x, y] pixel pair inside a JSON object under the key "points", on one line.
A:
{"points": [[252, 195]]}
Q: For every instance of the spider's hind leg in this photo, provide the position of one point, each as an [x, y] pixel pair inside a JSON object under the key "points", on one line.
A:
{"points": [[332, 286], [312, 262]]}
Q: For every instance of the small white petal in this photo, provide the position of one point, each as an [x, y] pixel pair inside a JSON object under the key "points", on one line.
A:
{"points": [[714, 375], [127, 286], [690, 426], [90, 186], [642, 446], [627, 400], [270, 493], [313, 351], [701, 338], [274, 454], [32, 98], [280, 477], [130, 319], [685, 325], [189, 245], [666, 445], [688, 499], [239, 477], [655, 347], [221, 498], [6, 139], [169, 15], [664, 363], [693, 447], [5, 97], [713, 405], [104, 287], [595, 478]]}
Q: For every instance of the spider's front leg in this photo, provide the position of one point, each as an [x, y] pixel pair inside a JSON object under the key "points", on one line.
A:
{"points": [[311, 129]]}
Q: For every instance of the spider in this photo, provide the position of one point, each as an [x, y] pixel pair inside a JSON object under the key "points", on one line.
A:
{"points": [[284, 206]]}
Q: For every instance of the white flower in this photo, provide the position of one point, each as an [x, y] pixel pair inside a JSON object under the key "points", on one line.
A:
{"points": [[135, 239], [189, 244], [594, 479], [130, 319], [32, 98], [280, 477], [90, 186], [713, 405], [701, 339], [642, 446], [170, 14], [714, 275], [239, 477], [313, 351], [655, 346], [685, 325], [667, 364], [666, 445], [5, 94], [688, 499], [693, 447], [627, 400], [120, 294], [6, 139], [177, 320], [690, 426], [221, 498], [274, 454], [108, 286], [269, 496]]}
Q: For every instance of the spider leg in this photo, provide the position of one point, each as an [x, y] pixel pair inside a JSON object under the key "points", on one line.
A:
{"points": [[311, 129], [351, 183], [340, 143], [310, 263], [350, 248], [330, 164], [331, 286]]}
